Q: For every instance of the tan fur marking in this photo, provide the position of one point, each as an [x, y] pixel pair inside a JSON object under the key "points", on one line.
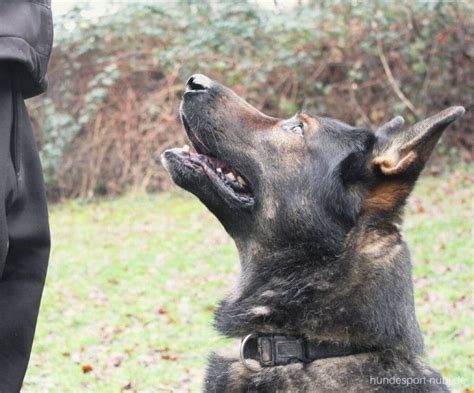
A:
{"points": [[387, 195], [310, 121], [260, 310], [373, 243], [387, 255], [374, 248], [379, 249], [268, 293]]}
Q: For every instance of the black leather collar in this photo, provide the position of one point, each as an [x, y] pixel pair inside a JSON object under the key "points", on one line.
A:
{"points": [[280, 349]]}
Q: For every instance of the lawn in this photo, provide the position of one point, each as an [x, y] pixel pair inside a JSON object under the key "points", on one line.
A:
{"points": [[133, 282]]}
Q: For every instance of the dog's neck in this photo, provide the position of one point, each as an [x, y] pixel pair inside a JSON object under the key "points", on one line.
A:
{"points": [[364, 295]]}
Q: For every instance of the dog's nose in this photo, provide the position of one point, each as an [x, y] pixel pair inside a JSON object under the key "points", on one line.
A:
{"points": [[198, 82]]}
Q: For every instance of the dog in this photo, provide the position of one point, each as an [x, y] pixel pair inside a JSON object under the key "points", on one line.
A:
{"points": [[324, 301]]}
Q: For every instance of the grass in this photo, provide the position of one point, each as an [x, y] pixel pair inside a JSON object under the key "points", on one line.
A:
{"points": [[133, 282]]}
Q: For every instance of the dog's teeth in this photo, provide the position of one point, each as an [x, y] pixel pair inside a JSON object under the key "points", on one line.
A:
{"points": [[241, 181], [186, 148], [230, 176]]}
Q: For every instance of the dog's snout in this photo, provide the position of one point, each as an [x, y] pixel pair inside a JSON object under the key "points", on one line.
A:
{"points": [[198, 82]]}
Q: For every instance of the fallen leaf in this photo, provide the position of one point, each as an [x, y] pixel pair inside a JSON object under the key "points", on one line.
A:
{"points": [[86, 368], [166, 356]]}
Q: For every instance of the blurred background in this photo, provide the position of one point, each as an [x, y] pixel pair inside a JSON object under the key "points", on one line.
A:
{"points": [[138, 266]]}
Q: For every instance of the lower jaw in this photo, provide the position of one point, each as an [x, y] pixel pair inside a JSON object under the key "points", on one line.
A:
{"points": [[221, 181]]}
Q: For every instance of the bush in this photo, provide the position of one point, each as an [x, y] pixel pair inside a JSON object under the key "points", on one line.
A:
{"points": [[115, 82]]}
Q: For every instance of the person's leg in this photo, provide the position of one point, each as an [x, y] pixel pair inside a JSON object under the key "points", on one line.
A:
{"points": [[27, 229]]}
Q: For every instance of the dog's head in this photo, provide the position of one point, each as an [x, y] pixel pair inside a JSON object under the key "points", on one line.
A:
{"points": [[277, 183]]}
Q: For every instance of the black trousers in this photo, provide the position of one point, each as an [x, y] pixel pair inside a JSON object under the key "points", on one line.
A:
{"points": [[24, 233]]}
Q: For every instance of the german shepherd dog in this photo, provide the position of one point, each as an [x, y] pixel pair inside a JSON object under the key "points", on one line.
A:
{"points": [[324, 301]]}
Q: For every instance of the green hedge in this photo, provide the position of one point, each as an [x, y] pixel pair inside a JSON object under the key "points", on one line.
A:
{"points": [[116, 80]]}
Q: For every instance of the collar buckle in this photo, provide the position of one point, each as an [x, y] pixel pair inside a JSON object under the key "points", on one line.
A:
{"points": [[274, 350], [279, 350]]}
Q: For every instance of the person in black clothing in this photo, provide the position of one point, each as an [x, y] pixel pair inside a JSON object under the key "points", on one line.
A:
{"points": [[26, 35]]}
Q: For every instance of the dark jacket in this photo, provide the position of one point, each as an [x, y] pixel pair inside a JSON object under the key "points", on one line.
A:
{"points": [[24, 233], [26, 37]]}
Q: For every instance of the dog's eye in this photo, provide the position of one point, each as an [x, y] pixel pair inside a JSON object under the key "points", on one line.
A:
{"points": [[298, 130]]}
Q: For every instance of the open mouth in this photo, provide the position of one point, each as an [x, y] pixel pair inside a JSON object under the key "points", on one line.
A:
{"points": [[230, 184]]}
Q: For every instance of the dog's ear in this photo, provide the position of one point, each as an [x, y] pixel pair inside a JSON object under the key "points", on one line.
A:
{"points": [[404, 153], [400, 155]]}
